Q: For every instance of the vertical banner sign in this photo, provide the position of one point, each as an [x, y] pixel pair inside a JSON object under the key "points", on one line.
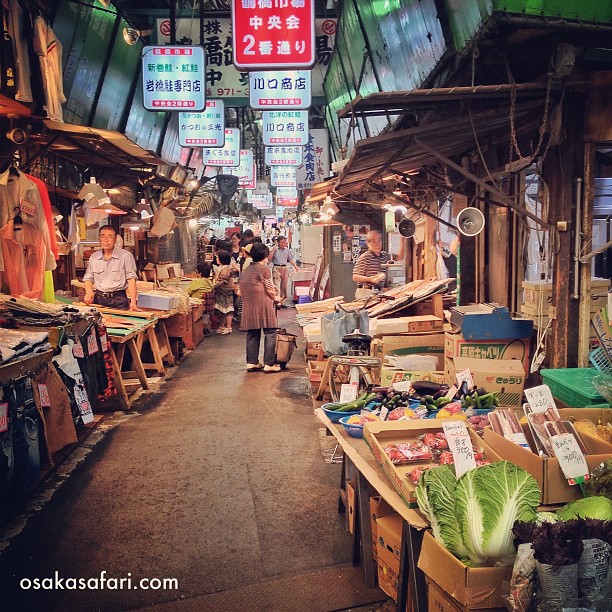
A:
{"points": [[286, 89], [245, 171], [316, 167], [283, 156], [285, 127], [273, 34], [228, 154], [173, 78], [205, 129], [282, 176]]}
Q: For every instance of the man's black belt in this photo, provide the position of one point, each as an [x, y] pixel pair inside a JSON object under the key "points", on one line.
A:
{"points": [[280, 265], [367, 286], [110, 294]]}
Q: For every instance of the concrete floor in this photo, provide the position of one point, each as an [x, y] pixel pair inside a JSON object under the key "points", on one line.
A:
{"points": [[219, 483]]}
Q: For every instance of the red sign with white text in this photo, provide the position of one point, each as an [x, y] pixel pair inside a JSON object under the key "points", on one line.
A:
{"points": [[273, 34]]}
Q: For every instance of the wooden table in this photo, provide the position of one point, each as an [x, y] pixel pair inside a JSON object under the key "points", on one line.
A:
{"points": [[370, 476]]}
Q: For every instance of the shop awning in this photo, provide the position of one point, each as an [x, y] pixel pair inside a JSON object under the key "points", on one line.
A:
{"points": [[108, 153]]}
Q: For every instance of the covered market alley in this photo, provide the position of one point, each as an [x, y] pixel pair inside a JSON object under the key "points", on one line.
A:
{"points": [[219, 481]]}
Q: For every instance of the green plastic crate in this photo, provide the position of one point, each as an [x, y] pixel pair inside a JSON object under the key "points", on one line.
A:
{"points": [[574, 387]]}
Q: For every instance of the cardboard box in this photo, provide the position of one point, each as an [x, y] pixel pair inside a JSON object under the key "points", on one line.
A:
{"points": [[389, 546], [378, 508], [315, 370], [506, 376], [313, 349], [430, 343], [171, 270], [476, 587], [595, 444], [379, 434], [553, 484], [455, 345], [388, 376], [438, 600], [350, 503], [408, 325]]}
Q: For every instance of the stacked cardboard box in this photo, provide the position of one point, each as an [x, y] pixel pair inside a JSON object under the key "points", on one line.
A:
{"points": [[427, 343], [388, 550]]}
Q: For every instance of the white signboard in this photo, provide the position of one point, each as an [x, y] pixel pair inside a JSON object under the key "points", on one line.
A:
{"points": [[223, 80], [282, 176], [460, 445], [570, 456], [316, 166], [540, 399], [246, 170], [283, 156], [205, 129], [285, 127], [286, 192], [228, 154], [285, 89], [173, 78]]}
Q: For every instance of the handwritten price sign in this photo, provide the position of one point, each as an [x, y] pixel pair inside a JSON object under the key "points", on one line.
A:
{"points": [[571, 459], [465, 376], [540, 399], [460, 444]]}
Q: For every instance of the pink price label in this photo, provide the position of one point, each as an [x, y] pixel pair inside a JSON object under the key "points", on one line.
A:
{"points": [[77, 350], [104, 342], [43, 393], [92, 344], [3, 417]]}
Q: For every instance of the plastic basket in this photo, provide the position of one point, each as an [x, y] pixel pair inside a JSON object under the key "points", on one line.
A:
{"points": [[354, 430], [573, 386], [334, 416], [600, 361]]}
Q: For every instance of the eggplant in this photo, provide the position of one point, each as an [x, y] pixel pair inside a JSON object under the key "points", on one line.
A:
{"points": [[426, 387]]}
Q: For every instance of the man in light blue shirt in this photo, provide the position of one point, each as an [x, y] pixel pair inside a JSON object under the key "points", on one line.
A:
{"points": [[112, 271], [281, 257]]}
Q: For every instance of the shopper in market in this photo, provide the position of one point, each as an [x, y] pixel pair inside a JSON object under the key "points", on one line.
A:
{"points": [[258, 313], [281, 258], [369, 271], [223, 284], [110, 278]]}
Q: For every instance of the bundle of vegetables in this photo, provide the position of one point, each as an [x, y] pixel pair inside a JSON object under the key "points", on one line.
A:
{"points": [[562, 564], [361, 402], [473, 515]]}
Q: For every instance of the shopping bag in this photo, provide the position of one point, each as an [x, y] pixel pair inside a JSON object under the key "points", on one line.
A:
{"points": [[335, 325], [285, 343]]}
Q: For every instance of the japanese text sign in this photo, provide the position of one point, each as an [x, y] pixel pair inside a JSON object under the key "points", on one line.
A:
{"points": [[173, 78], [460, 444], [273, 34], [316, 164], [286, 192], [282, 176], [571, 458], [287, 89], [283, 156], [228, 154], [205, 129], [245, 171], [287, 202], [540, 399], [285, 127]]}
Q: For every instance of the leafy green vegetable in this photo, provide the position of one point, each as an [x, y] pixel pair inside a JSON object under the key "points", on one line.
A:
{"points": [[488, 500], [597, 507], [435, 494], [600, 482]]}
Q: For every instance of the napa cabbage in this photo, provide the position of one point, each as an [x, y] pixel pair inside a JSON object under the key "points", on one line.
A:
{"points": [[435, 495], [488, 500]]}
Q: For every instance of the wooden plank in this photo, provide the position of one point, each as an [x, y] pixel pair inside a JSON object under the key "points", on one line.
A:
{"points": [[141, 314], [21, 367]]}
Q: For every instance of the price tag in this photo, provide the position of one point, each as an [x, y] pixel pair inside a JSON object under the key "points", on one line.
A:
{"points": [[451, 392], [77, 349], [571, 459], [460, 444], [540, 399], [92, 343], [384, 411], [465, 376], [3, 417], [27, 207], [80, 396], [43, 393], [104, 342], [348, 393], [404, 385], [517, 438]]}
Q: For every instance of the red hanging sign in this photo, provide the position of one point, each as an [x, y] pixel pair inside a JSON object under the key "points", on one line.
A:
{"points": [[273, 34]]}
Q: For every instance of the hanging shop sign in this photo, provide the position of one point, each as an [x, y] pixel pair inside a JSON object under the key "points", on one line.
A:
{"points": [[283, 156], [287, 202], [285, 127], [282, 176], [173, 77], [279, 34], [260, 200], [286, 192], [245, 171], [205, 129], [316, 167], [228, 154], [287, 89], [223, 80]]}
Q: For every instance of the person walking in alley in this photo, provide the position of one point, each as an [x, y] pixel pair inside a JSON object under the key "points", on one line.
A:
{"points": [[281, 258], [223, 284], [258, 312]]}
